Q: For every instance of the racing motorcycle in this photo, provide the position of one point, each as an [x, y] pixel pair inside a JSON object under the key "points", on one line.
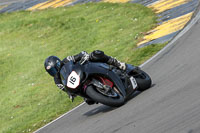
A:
{"points": [[103, 83]]}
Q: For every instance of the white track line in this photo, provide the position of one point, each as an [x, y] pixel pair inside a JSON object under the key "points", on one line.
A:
{"points": [[191, 23], [59, 117]]}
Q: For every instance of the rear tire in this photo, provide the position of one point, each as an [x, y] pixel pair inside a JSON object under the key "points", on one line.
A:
{"points": [[144, 81], [98, 97]]}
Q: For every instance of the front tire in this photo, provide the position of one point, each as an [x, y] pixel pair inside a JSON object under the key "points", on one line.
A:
{"points": [[98, 97]]}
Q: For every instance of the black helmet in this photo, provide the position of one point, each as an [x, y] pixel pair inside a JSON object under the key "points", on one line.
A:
{"points": [[52, 65]]}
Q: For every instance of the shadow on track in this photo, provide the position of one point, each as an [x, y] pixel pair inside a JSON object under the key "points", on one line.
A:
{"points": [[104, 108], [100, 109]]}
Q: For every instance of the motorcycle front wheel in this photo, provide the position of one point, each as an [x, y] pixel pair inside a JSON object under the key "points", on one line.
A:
{"points": [[117, 101]]}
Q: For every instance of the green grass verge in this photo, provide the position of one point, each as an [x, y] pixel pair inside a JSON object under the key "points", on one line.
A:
{"points": [[28, 97]]}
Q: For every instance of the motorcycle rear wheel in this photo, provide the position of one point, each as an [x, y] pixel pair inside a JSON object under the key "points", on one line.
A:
{"points": [[109, 101], [143, 80]]}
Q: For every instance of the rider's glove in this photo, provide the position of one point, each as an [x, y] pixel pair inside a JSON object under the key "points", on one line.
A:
{"points": [[71, 95], [61, 86]]}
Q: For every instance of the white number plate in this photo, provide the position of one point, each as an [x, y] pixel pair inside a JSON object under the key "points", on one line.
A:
{"points": [[133, 82], [73, 80]]}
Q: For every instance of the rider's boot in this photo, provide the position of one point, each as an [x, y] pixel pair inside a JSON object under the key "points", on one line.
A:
{"points": [[117, 63], [90, 101]]}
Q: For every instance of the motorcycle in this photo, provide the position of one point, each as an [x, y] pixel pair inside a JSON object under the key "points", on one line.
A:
{"points": [[103, 83]]}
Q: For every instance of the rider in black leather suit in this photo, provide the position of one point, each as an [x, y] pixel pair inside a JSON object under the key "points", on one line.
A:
{"points": [[53, 64]]}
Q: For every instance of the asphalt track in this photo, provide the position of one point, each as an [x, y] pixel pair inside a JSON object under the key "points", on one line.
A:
{"points": [[172, 105], [5, 2]]}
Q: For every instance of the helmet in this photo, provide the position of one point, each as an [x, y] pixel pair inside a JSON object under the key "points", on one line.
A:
{"points": [[52, 65]]}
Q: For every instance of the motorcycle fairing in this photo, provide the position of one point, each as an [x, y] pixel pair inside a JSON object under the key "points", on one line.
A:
{"points": [[89, 69], [129, 68], [67, 69], [93, 68]]}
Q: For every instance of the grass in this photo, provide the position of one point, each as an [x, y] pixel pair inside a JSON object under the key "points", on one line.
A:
{"points": [[29, 97]]}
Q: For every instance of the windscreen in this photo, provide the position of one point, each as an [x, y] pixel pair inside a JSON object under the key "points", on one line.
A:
{"points": [[65, 71]]}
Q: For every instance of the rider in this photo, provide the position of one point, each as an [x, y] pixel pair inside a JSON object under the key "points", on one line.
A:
{"points": [[53, 65]]}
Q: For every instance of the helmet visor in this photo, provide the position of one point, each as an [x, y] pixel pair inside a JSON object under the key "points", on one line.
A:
{"points": [[53, 71]]}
